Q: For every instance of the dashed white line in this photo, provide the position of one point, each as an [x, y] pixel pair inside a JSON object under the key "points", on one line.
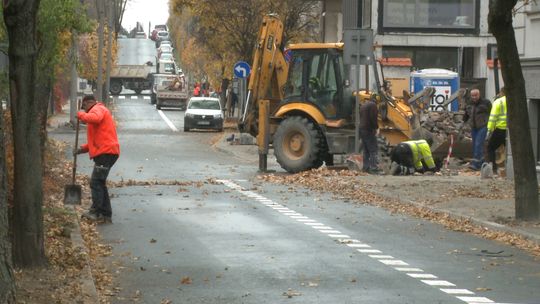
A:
{"points": [[169, 123], [393, 262], [475, 300], [121, 97], [380, 256], [406, 269], [422, 275], [330, 231], [389, 260], [437, 283], [456, 291], [359, 245], [338, 236], [146, 97], [369, 250]]}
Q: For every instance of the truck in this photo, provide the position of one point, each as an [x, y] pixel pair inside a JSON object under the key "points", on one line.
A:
{"points": [[171, 91], [304, 107], [132, 77]]}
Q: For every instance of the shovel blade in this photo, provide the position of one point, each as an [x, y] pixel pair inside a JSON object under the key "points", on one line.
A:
{"points": [[72, 195]]}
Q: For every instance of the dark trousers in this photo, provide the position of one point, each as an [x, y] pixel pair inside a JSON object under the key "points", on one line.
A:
{"points": [[101, 202], [497, 139], [370, 149]]}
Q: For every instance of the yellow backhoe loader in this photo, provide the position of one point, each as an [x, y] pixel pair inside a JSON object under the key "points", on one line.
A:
{"points": [[304, 107]]}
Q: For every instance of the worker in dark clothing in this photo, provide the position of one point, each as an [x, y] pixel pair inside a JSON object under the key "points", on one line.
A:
{"points": [[412, 156], [369, 129], [478, 114]]}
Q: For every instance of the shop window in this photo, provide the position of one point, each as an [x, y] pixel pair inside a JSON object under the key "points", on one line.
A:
{"points": [[430, 15]]}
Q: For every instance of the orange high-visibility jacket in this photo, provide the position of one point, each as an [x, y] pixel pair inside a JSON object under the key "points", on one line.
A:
{"points": [[100, 132]]}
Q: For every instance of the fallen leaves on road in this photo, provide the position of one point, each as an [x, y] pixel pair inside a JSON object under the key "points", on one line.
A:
{"points": [[291, 293], [186, 281], [346, 185]]}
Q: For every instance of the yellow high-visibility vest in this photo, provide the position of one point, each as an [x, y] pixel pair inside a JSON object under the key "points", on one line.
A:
{"points": [[497, 117], [421, 151]]}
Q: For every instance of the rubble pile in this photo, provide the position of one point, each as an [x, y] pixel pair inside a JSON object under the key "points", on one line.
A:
{"points": [[442, 124]]}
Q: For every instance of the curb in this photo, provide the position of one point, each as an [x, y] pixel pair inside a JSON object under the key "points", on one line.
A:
{"points": [[89, 291]]}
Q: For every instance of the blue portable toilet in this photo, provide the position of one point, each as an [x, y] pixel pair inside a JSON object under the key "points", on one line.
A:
{"points": [[445, 82]]}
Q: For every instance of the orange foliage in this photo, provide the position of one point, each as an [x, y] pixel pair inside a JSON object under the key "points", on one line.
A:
{"points": [[88, 52]]}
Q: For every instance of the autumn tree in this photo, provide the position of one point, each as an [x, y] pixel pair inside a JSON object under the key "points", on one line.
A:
{"points": [[500, 20], [226, 31]]}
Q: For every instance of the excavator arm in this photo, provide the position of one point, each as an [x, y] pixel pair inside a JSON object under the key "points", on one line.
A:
{"points": [[269, 73]]}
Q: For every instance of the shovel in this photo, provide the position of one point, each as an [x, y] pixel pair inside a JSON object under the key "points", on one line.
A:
{"points": [[72, 193]]}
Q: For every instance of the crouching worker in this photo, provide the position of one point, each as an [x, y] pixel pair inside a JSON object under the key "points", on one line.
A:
{"points": [[412, 156]]}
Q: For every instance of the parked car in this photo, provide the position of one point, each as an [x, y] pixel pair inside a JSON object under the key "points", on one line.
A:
{"points": [[164, 42], [164, 49], [203, 113], [166, 57], [162, 35], [166, 67]]}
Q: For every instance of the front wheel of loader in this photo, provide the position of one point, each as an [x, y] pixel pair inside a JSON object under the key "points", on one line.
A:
{"points": [[297, 144]]}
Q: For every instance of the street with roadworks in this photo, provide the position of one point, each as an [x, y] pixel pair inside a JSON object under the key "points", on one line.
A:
{"points": [[193, 223]]}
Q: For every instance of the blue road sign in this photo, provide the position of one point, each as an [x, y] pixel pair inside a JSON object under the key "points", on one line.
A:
{"points": [[242, 69]]}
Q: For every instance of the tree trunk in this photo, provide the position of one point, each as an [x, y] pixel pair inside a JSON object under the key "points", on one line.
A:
{"points": [[101, 18], [7, 283], [108, 64], [525, 183], [27, 217]]}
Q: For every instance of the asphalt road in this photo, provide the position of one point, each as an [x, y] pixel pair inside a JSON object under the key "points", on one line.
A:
{"points": [[210, 232]]}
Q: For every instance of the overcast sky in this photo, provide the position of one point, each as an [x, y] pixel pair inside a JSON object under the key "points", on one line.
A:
{"points": [[144, 11]]}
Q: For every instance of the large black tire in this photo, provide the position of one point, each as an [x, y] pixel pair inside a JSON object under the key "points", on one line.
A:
{"points": [[116, 87], [298, 144], [153, 99], [158, 105]]}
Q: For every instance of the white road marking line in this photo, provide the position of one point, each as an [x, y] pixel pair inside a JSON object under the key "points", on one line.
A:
{"points": [[146, 97], [121, 97], [475, 300], [330, 231], [321, 227], [437, 283], [393, 262], [369, 250], [313, 224], [405, 269], [456, 291], [422, 276], [359, 245], [380, 256], [345, 239], [169, 123], [338, 236]]}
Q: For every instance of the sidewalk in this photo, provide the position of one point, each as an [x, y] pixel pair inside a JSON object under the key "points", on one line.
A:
{"points": [[463, 196]]}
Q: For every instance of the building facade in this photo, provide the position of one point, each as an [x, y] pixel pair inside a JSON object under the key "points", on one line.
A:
{"points": [[451, 34]]}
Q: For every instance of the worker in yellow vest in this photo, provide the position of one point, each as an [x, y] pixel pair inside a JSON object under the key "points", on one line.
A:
{"points": [[496, 135], [412, 156]]}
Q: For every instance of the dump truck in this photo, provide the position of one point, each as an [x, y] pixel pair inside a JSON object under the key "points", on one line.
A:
{"points": [[171, 91], [303, 107], [132, 77]]}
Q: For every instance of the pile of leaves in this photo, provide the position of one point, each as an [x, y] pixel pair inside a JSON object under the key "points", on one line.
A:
{"points": [[345, 185]]}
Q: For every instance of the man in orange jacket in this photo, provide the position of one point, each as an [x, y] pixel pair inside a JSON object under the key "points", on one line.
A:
{"points": [[104, 150]]}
